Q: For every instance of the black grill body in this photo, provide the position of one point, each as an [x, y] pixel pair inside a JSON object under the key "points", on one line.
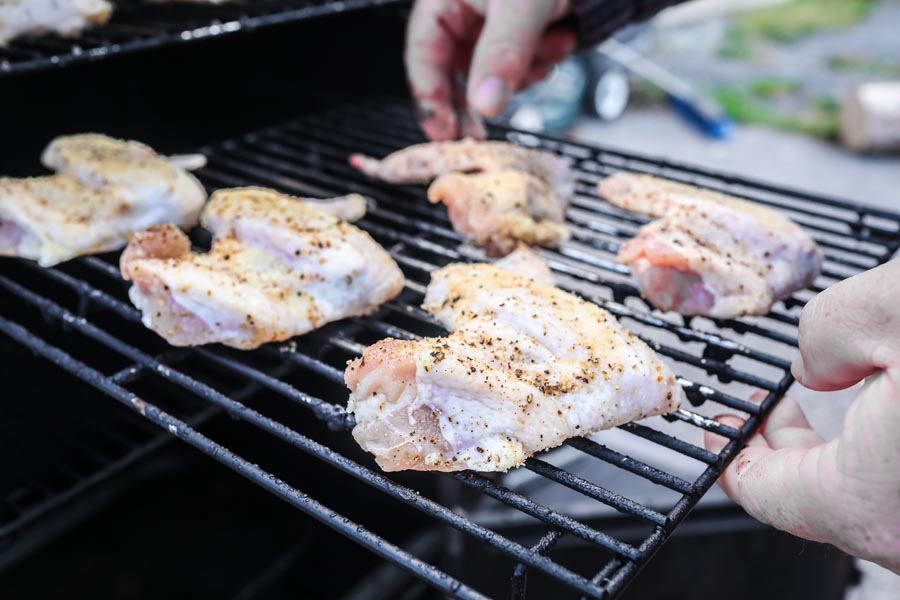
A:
{"points": [[299, 396], [138, 26]]}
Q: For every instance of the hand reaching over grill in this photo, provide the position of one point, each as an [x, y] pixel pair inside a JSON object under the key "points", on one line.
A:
{"points": [[845, 492], [503, 46], [493, 48]]}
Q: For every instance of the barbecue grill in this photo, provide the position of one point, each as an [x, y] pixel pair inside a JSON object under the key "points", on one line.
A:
{"points": [[71, 340], [77, 317]]}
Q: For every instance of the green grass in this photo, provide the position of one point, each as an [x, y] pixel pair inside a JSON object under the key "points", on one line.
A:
{"points": [[789, 22], [737, 44], [746, 105], [800, 18], [773, 87], [864, 64]]}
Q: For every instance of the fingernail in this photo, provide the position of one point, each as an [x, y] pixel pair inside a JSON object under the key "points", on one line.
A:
{"points": [[489, 95], [797, 368]]}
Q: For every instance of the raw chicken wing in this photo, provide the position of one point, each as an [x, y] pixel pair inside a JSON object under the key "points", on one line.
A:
{"points": [[423, 162], [106, 190], [709, 253]]}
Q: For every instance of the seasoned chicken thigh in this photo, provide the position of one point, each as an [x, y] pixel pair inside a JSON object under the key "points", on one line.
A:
{"points": [[501, 208], [526, 367], [278, 267], [106, 190], [65, 17], [423, 162], [710, 253]]}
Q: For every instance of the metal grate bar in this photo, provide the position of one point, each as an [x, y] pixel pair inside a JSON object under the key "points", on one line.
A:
{"points": [[631, 465], [596, 492], [291, 495], [520, 573]]}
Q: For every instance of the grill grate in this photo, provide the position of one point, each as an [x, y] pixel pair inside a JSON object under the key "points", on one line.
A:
{"points": [[720, 363], [137, 25]]}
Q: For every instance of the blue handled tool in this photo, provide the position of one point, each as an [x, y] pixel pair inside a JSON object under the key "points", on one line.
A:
{"points": [[699, 110]]}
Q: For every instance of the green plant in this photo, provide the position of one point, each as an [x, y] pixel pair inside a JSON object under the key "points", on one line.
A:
{"points": [[799, 18], [864, 64], [744, 105]]}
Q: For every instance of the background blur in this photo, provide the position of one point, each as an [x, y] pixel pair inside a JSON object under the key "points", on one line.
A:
{"points": [[779, 68]]}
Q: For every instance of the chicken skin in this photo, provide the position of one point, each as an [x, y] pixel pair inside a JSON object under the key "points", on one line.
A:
{"points": [[500, 209], [105, 190], [278, 267], [709, 253], [526, 367], [64, 17], [423, 162]]}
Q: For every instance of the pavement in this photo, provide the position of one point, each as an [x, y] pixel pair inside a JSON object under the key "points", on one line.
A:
{"points": [[786, 158]]}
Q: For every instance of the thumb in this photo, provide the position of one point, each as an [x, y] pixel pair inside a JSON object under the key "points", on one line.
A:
{"points": [[851, 330], [506, 48]]}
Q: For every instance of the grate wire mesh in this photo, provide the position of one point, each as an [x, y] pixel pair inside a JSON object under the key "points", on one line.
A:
{"points": [[720, 363]]}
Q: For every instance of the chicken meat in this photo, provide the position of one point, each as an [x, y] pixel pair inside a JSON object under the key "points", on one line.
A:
{"points": [[499, 209], [104, 190], [64, 17], [526, 367], [709, 253], [423, 162], [278, 267], [525, 261]]}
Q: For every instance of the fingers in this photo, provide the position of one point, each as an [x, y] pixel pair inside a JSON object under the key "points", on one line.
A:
{"points": [[778, 487], [470, 122], [506, 49], [773, 480], [431, 54], [787, 427], [850, 330]]}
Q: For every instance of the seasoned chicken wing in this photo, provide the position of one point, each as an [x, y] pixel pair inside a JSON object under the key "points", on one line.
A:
{"points": [[526, 367], [106, 189], [423, 162], [278, 267], [710, 253], [65, 17], [498, 209]]}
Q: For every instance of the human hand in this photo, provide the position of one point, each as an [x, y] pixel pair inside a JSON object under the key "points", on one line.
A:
{"points": [[501, 46], [845, 492]]}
